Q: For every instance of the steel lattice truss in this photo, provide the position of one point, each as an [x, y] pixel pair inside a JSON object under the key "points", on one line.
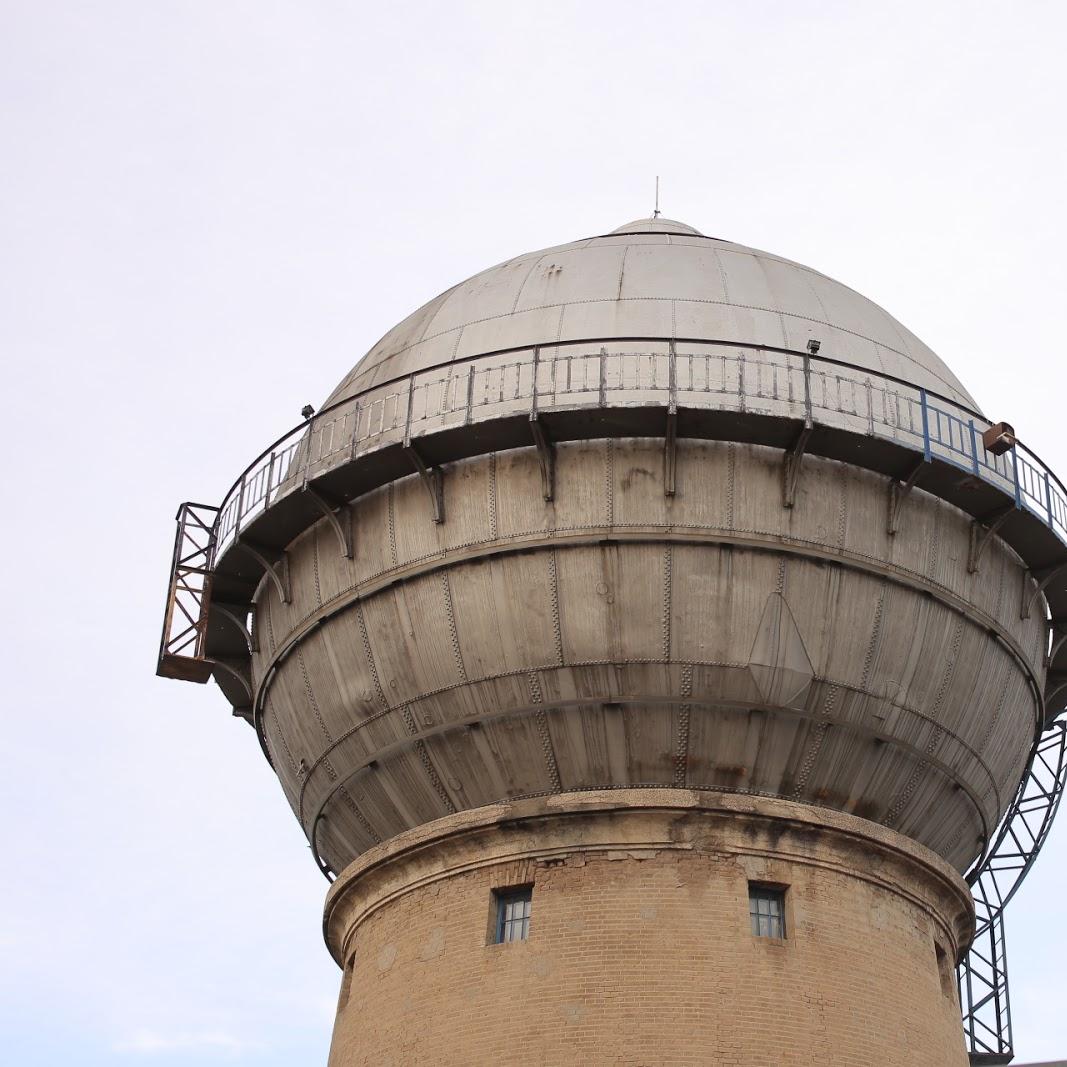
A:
{"points": [[181, 650], [983, 973]]}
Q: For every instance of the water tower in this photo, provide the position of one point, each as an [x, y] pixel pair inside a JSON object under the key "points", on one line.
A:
{"points": [[658, 648]]}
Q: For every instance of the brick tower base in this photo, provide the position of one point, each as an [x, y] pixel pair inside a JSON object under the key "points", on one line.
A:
{"points": [[640, 948]]}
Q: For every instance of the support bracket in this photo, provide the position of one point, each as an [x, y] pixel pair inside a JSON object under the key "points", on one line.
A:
{"points": [[670, 437], [546, 457], [237, 613], [898, 493], [323, 866], [791, 465], [1041, 579], [277, 571], [982, 533], [1055, 684], [240, 672], [670, 454], [432, 478], [338, 515], [1059, 638]]}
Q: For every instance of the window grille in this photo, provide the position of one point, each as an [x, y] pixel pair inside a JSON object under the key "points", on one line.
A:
{"points": [[766, 909], [513, 914]]}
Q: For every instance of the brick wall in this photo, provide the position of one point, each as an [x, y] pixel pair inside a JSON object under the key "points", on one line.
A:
{"points": [[640, 949]]}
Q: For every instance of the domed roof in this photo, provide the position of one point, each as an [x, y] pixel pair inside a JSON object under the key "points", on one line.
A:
{"points": [[651, 278], [656, 225]]}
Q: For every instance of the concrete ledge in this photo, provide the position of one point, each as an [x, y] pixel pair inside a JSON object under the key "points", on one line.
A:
{"points": [[637, 823]]}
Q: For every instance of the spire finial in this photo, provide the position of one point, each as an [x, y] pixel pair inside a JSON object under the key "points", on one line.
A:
{"points": [[655, 214]]}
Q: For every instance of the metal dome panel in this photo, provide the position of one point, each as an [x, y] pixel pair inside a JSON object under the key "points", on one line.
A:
{"points": [[656, 224], [662, 279]]}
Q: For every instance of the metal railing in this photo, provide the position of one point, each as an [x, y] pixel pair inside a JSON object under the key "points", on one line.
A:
{"points": [[631, 372]]}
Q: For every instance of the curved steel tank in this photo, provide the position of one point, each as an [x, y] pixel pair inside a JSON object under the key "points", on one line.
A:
{"points": [[648, 509]]}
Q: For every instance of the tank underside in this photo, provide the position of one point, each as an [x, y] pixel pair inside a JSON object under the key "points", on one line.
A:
{"points": [[620, 637]]}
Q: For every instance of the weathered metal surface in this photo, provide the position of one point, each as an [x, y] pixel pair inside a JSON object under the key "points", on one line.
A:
{"points": [[651, 285], [523, 643], [835, 618], [657, 224]]}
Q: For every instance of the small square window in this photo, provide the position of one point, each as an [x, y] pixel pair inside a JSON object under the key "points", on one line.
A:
{"points": [[513, 914], [766, 909]]}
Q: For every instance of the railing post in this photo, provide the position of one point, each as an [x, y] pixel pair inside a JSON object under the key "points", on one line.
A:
{"points": [[533, 398], [927, 450], [355, 429], [311, 442], [603, 376], [1048, 499], [270, 479], [672, 376], [407, 417], [213, 541], [974, 446], [240, 506], [1015, 475], [807, 390]]}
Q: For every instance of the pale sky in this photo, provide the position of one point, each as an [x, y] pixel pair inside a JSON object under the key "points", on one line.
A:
{"points": [[209, 210]]}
